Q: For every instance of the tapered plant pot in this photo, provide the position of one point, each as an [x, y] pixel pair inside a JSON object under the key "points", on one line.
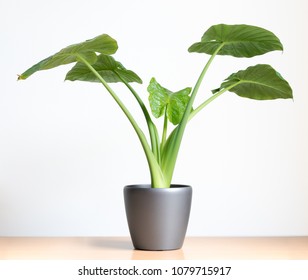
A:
{"points": [[157, 218]]}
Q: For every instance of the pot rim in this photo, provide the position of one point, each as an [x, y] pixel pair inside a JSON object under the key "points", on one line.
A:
{"points": [[148, 186]]}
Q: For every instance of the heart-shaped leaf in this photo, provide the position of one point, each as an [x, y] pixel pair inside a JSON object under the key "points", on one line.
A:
{"points": [[111, 71], [260, 82], [237, 40], [161, 98], [103, 44]]}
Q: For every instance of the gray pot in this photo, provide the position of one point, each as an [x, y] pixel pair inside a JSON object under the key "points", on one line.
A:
{"points": [[157, 218]]}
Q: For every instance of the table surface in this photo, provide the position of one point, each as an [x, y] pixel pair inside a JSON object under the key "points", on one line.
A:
{"points": [[120, 248]]}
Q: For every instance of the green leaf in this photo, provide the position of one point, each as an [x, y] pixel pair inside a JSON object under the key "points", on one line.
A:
{"points": [[103, 44], [111, 71], [161, 98], [237, 40], [260, 82]]}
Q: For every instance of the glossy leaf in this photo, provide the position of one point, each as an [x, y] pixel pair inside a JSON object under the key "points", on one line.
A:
{"points": [[103, 44], [161, 98], [111, 71], [237, 40], [260, 82]]}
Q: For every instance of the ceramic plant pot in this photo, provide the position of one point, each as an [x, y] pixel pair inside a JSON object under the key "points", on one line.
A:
{"points": [[157, 218]]}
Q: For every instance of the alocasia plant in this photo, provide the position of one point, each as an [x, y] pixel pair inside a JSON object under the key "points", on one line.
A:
{"points": [[94, 63]]}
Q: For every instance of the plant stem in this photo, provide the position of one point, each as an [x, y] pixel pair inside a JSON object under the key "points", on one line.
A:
{"points": [[169, 159], [151, 126], [157, 178], [209, 100], [165, 128]]}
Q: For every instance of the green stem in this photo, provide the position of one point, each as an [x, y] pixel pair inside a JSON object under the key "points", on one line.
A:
{"points": [[169, 159], [209, 100], [165, 128], [151, 126], [157, 178]]}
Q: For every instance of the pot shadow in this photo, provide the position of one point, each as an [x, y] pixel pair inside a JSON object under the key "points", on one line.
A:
{"points": [[114, 244], [123, 248], [158, 255]]}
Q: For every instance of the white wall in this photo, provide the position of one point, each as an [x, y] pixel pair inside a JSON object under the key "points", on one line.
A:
{"points": [[66, 151]]}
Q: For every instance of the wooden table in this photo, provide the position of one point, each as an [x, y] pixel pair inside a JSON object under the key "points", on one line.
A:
{"points": [[120, 248]]}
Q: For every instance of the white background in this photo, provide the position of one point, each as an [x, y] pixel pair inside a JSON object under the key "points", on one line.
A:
{"points": [[66, 150]]}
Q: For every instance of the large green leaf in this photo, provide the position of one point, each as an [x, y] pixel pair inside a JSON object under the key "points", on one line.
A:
{"points": [[103, 44], [161, 98], [260, 82], [237, 40], [111, 71]]}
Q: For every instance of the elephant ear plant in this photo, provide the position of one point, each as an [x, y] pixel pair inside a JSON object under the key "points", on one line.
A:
{"points": [[94, 63]]}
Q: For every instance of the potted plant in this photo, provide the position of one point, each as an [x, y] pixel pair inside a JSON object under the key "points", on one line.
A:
{"points": [[158, 212]]}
